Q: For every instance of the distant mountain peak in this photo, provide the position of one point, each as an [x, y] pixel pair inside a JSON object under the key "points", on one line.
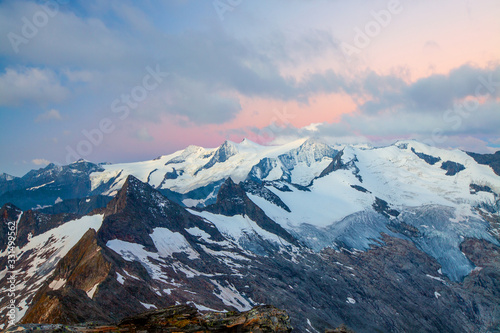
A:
{"points": [[6, 177], [222, 154]]}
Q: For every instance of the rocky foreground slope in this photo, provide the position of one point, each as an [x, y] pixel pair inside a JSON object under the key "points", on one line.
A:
{"points": [[182, 318]]}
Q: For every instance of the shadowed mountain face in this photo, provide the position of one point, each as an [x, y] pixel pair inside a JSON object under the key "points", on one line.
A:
{"points": [[49, 186], [493, 160], [346, 248]]}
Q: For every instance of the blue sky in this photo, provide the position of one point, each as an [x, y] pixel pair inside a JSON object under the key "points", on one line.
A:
{"points": [[122, 81]]}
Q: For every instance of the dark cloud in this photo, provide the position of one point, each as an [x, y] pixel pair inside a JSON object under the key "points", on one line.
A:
{"points": [[434, 93]]}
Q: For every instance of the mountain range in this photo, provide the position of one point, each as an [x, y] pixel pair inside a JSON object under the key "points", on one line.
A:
{"points": [[390, 239]]}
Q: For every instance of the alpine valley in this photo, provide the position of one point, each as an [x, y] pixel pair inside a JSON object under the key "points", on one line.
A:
{"points": [[403, 238]]}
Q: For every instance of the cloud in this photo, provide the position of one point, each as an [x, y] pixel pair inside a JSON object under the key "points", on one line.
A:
{"points": [[30, 85], [49, 115], [431, 45], [143, 135], [434, 93], [457, 110], [40, 161]]}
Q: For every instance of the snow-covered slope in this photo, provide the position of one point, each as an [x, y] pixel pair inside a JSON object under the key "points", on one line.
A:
{"points": [[38, 258], [195, 167]]}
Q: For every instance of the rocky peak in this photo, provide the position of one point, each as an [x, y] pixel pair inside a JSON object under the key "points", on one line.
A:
{"points": [[134, 192], [308, 152], [233, 200], [138, 208], [84, 166], [9, 212], [6, 177], [222, 154]]}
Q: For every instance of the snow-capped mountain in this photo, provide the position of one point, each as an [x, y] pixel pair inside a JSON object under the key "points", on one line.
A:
{"points": [[398, 238]]}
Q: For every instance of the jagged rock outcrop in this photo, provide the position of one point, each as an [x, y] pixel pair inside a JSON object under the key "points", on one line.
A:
{"points": [[232, 200], [138, 208], [452, 168], [222, 154], [183, 318], [493, 160], [335, 164]]}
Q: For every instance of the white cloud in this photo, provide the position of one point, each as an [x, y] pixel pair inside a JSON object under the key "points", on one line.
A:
{"points": [[30, 85], [143, 135], [40, 161], [51, 114]]}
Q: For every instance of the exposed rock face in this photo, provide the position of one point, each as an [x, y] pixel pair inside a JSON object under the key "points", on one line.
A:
{"points": [[493, 160], [66, 298], [184, 318], [452, 168], [137, 200], [259, 189], [222, 154], [309, 152], [187, 319], [232, 200], [427, 158], [335, 164]]}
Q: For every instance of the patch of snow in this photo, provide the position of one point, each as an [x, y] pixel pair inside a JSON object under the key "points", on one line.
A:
{"points": [[437, 295], [168, 242], [350, 300], [120, 278], [236, 226], [39, 186], [231, 297], [58, 200], [91, 292], [435, 278], [310, 325], [195, 231], [148, 306], [57, 284], [204, 308]]}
